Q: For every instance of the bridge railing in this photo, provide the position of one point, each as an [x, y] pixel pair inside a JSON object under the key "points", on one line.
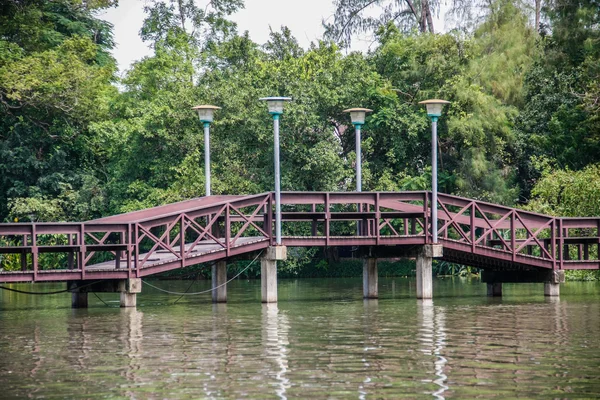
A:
{"points": [[72, 250], [237, 225], [518, 236], [62, 246], [184, 238], [354, 218]]}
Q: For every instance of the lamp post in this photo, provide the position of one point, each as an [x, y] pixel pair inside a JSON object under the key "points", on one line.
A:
{"points": [[434, 111], [275, 106], [206, 113], [357, 116]]}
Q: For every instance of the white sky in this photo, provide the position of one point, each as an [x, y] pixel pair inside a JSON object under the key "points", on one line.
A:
{"points": [[303, 17]]}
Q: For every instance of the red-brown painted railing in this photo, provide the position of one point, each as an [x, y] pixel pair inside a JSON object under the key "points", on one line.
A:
{"points": [[472, 232]]}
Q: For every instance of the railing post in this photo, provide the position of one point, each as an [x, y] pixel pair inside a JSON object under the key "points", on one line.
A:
{"points": [[313, 228], [129, 248], [182, 239], [137, 250], [327, 218], [377, 218], [228, 231], [561, 248], [428, 234], [473, 227], [553, 243], [70, 262], [597, 242], [269, 226], [82, 250], [34, 251], [118, 252], [24, 254], [513, 239]]}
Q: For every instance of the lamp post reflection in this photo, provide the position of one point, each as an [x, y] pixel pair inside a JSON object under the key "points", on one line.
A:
{"points": [[433, 341], [372, 349], [275, 328]]}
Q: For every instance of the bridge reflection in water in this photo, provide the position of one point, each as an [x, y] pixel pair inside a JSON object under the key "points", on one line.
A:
{"points": [[310, 345]]}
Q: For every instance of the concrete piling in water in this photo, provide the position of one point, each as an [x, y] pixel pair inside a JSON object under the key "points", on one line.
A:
{"points": [[425, 258], [268, 272], [552, 286], [370, 283], [551, 279], [551, 289], [129, 289], [219, 278], [79, 300], [494, 289]]}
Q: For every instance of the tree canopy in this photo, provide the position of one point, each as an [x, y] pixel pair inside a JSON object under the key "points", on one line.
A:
{"points": [[524, 113]]}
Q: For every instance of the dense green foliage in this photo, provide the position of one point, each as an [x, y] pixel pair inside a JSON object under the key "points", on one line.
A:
{"points": [[524, 122]]}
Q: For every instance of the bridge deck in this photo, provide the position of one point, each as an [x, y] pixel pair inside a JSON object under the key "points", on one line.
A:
{"points": [[149, 241]]}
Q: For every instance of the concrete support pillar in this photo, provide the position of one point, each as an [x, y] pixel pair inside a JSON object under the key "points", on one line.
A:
{"points": [[552, 286], [268, 272], [79, 300], [551, 279], [128, 299], [424, 277], [424, 269], [219, 277], [370, 285], [129, 289], [551, 289], [494, 289]]}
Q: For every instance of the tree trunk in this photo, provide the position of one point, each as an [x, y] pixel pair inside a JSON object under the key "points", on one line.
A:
{"points": [[420, 18], [538, 8], [426, 11], [181, 14], [182, 18]]}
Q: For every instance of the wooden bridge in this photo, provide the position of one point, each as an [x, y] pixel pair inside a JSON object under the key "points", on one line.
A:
{"points": [[509, 244]]}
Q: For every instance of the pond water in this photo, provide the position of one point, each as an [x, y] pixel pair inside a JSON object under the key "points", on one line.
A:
{"points": [[322, 340]]}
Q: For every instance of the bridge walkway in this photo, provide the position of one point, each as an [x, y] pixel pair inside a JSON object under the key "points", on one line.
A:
{"points": [[214, 228]]}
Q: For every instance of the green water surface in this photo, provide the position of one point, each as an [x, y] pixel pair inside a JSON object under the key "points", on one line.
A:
{"points": [[322, 340]]}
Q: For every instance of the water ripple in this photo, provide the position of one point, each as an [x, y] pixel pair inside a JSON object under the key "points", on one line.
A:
{"points": [[322, 341]]}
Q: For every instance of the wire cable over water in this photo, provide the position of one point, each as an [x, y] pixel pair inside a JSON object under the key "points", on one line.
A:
{"points": [[46, 293], [204, 291], [192, 284], [98, 297]]}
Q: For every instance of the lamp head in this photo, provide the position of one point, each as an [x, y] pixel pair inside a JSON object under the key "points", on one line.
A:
{"points": [[357, 115], [275, 104], [206, 112], [434, 107]]}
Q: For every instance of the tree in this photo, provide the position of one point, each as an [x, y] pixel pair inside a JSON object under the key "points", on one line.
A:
{"points": [[560, 117], [483, 77], [363, 16], [567, 193], [487, 97], [168, 21], [37, 25], [55, 75]]}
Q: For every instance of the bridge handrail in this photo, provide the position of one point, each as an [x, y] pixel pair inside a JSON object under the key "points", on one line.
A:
{"points": [[482, 228]]}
